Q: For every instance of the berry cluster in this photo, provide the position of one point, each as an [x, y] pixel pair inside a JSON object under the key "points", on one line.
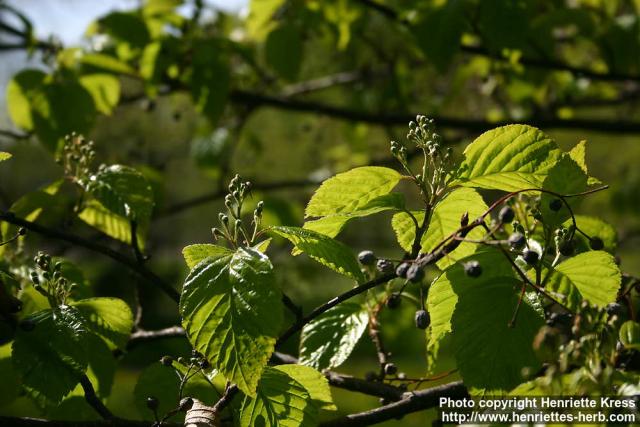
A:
{"points": [[76, 158], [49, 281]]}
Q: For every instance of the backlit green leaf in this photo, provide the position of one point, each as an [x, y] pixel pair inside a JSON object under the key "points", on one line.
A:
{"points": [[593, 276], [332, 225], [232, 312], [193, 254], [280, 401], [328, 340], [51, 358], [508, 158], [476, 311], [104, 89], [109, 318], [124, 191], [350, 191], [325, 250], [313, 381], [444, 220], [111, 224]]}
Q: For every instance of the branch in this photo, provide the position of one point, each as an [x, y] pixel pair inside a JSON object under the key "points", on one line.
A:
{"points": [[130, 263], [347, 382], [93, 400], [255, 100], [298, 325], [411, 402], [321, 83], [141, 336]]}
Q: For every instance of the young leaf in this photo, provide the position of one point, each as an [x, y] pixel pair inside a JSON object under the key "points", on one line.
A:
{"points": [[332, 225], [508, 158], [592, 276], [193, 254], [444, 220], [325, 250], [350, 191], [109, 318], [124, 191], [232, 312], [280, 401], [4, 156], [51, 357], [328, 340]]}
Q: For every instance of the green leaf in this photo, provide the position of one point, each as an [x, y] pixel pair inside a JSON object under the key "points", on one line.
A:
{"points": [[111, 224], [102, 365], [594, 227], [43, 206], [566, 177], [193, 254], [280, 401], [21, 89], [325, 250], [476, 312], [51, 357], [350, 191], [102, 62], [109, 318], [438, 34], [314, 382], [445, 219], [60, 108], [503, 24], [126, 27], [10, 389], [4, 156], [283, 50], [332, 225], [232, 312], [442, 299], [592, 276], [630, 334], [104, 89], [210, 79], [508, 158], [328, 340], [259, 22], [124, 191]]}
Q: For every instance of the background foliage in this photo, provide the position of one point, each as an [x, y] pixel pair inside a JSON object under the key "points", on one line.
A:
{"points": [[288, 93]]}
